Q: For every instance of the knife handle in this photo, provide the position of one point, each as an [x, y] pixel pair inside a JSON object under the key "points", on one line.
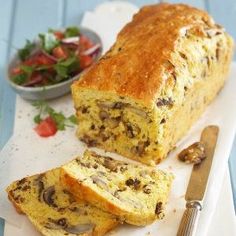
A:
{"points": [[189, 219]]}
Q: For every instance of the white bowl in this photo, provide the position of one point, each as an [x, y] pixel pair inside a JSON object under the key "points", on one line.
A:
{"points": [[49, 91]]}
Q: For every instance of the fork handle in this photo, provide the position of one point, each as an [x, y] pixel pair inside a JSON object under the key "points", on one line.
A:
{"points": [[189, 219]]}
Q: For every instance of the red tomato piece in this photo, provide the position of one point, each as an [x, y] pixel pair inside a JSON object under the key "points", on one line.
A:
{"points": [[85, 43], [39, 59], [42, 59], [59, 52], [30, 62], [46, 127], [59, 35], [85, 61], [16, 71]]}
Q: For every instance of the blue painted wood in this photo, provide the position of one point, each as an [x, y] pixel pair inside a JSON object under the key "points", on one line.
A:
{"points": [[75, 8], [23, 19], [224, 12], [33, 17], [196, 3], [7, 96], [232, 168], [6, 13]]}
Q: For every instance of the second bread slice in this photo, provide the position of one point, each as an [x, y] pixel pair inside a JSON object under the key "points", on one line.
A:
{"points": [[135, 193]]}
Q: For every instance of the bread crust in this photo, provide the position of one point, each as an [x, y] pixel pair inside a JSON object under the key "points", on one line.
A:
{"points": [[148, 42], [17, 207], [72, 178], [27, 198], [83, 192], [134, 101]]}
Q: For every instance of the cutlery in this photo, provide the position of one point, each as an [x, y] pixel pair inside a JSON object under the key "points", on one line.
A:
{"points": [[198, 183]]}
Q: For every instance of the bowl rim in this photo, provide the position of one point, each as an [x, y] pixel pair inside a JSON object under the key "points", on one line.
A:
{"points": [[14, 59], [42, 88]]}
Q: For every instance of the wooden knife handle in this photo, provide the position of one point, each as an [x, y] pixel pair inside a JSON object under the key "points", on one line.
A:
{"points": [[189, 219]]}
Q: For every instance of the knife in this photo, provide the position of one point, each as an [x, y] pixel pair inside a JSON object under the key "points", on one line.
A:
{"points": [[198, 183]]}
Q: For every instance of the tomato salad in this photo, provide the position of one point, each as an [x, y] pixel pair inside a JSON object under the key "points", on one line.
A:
{"points": [[56, 57]]}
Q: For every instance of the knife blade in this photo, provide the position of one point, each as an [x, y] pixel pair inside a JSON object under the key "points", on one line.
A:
{"points": [[198, 183]]}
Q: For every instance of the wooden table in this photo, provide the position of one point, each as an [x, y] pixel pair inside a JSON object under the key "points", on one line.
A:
{"points": [[23, 19]]}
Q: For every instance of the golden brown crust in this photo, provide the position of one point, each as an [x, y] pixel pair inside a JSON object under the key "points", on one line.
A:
{"points": [[45, 208], [17, 207], [114, 179], [148, 42]]}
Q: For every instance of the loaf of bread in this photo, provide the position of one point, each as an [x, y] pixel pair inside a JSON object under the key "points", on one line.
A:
{"points": [[54, 211], [135, 193], [144, 94]]}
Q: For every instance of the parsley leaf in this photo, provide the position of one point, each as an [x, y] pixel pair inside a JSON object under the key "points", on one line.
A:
{"points": [[60, 119], [19, 79], [42, 67], [39, 104], [61, 70], [27, 69], [71, 32], [24, 52], [73, 119], [24, 75], [65, 67], [48, 41], [37, 119]]}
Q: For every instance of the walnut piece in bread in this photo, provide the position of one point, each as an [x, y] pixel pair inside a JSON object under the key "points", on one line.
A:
{"points": [[54, 211], [135, 193], [145, 93]]}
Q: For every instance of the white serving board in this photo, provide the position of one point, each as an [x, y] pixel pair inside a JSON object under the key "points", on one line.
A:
{"points": [[27, 154], [223, 221]]}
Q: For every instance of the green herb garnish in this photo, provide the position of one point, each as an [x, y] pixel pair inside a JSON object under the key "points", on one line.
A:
{"points": [[65, 67], [60, 119], [48, 41], [19, 79], [24, 75], [71, 32], [24, 52], [27, 69], [73, 119]]}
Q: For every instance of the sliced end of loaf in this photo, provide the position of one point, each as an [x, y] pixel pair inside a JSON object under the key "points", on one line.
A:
{"points": [[54, 211], [135, 193]]}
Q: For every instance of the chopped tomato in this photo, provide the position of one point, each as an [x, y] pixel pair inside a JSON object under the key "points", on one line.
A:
{"points": [[30, 61], [16, 71], [59, 52], [42, 59], [85, 61], [46, 128], [39, 59], [85, 43], [59, 35]]}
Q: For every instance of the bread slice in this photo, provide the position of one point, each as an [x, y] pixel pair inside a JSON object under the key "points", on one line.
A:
{"points": [[135, 193], [145, 93], [54, 211]]}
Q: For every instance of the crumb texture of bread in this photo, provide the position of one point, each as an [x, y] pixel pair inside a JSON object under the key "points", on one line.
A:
{"points": [[144, 94], [54, 211], [135, 193]]}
